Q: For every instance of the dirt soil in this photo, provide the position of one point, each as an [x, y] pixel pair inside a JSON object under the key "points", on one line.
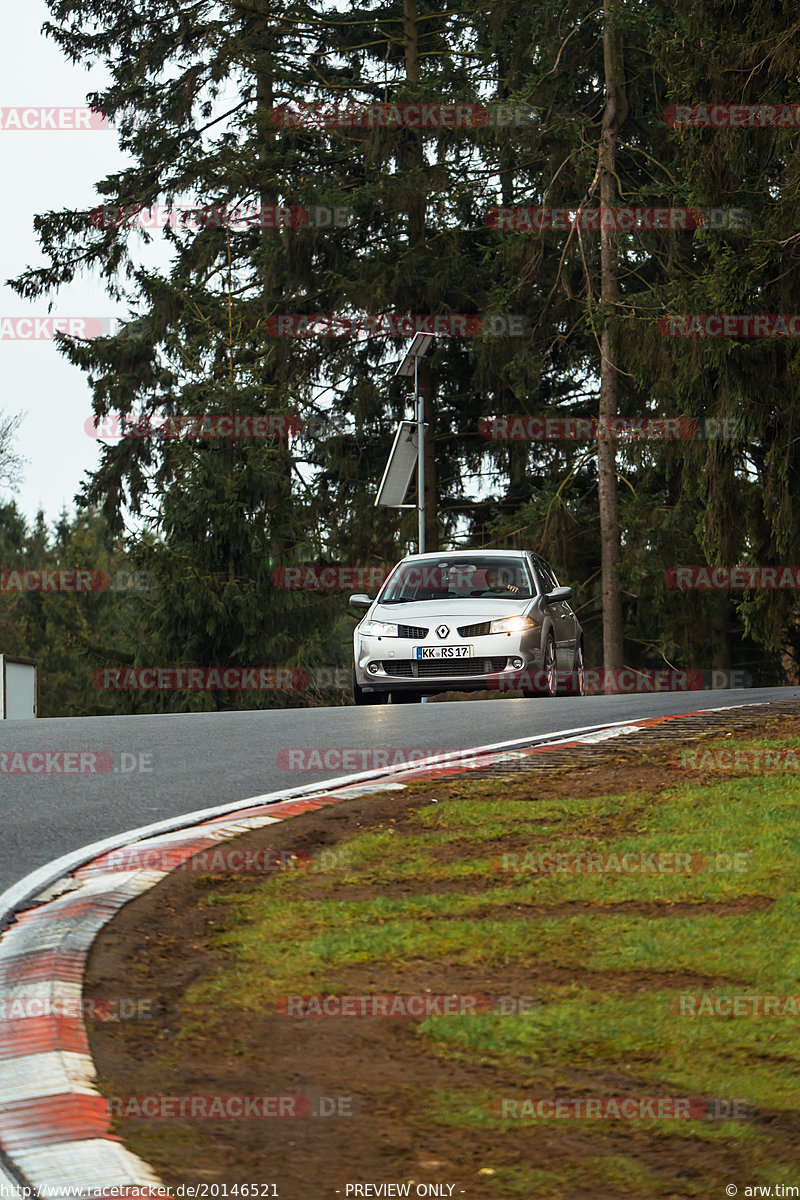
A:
{"points": [[161, 943]]}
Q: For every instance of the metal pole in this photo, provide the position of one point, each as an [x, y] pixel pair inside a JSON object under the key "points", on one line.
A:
{"points": [[420, 461]]}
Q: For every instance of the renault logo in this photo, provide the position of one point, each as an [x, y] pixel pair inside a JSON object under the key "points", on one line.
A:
{"points": [[442, 631]]}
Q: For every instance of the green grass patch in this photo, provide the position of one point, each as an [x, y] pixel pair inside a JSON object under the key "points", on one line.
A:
{"points": [[756, 1061], [299, 932]]}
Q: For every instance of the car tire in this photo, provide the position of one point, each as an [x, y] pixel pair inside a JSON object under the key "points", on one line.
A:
{"points": [[548, 673], [362, 697], [577, 683]]}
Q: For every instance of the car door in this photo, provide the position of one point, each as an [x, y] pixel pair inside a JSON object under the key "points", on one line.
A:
{"points": [[565, 625]]}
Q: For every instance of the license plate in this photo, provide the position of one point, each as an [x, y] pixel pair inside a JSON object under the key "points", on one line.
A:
{"points": [[444, 651]]}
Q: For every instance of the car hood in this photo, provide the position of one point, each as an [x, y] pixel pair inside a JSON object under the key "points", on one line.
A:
{"points": [[431, 612]]}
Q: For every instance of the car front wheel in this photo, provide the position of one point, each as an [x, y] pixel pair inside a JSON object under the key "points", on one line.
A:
{"points": [[576, 685], [550, 668], [547, 678]]}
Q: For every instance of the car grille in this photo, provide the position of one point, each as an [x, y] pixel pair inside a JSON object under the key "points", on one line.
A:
{"points": [[479, 630], [435, 668], [398, 668], [412, 631]]}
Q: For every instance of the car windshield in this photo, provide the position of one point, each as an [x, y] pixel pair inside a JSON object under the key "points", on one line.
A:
{"points": [[459, 578]]}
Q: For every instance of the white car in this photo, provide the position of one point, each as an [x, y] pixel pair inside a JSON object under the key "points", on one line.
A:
{"points": [[467, 620]]}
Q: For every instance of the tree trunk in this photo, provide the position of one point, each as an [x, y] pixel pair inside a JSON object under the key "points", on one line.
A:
{"points": [[280, 501], [613, 116]]}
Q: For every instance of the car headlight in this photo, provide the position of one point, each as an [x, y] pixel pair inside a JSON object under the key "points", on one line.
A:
{"points": [[511, 625], [379, 628]]}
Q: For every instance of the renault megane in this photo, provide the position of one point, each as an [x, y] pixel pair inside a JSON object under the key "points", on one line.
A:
{"points": [[467, 621]]}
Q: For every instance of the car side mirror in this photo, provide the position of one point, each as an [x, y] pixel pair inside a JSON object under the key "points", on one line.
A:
{"points": [[558, 594], [359, 600]]}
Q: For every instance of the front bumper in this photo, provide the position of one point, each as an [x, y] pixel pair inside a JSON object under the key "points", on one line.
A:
{"points": [[389, 664]]}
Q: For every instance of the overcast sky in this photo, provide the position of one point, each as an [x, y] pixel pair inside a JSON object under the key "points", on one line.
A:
{"points": [[45, 170]]}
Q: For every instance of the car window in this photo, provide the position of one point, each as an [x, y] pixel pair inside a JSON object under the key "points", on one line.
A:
{"points": [[548, 579], [452, 579]]}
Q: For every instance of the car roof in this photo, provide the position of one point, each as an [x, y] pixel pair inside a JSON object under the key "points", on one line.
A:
{"points": [[489, 553]]}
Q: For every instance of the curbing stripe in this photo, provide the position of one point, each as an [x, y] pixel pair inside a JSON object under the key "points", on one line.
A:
{"points": [[44, 1121], [42, 965], [26, 1036], [93, 1163], [55, 1073]]}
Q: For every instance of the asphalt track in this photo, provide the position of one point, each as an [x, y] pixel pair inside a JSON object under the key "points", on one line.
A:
{"points": [[165, 766]]}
